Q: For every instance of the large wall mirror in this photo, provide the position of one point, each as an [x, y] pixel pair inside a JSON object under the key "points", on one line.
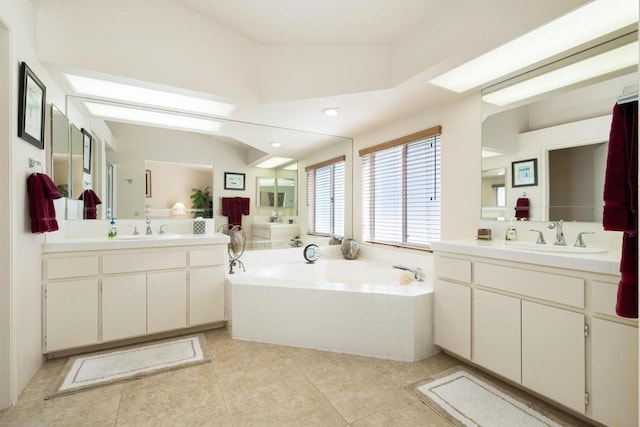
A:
{"points": [[543, 158], [60, 154], [154, 171]]}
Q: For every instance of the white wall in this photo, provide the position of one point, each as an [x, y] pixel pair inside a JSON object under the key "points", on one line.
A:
{"points": [[21, 274], [460, 163]]}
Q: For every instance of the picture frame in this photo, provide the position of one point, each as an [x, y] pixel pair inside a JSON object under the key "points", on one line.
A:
{"points": [[147, 183], [87, 145], [234, 181], [31, 107], [524, 173]]}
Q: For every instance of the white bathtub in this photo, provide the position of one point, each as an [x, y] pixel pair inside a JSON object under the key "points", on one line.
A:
{"points": [[345, 306]]}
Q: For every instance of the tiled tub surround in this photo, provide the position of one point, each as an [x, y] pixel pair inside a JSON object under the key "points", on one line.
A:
{"points": [[345, 306]]}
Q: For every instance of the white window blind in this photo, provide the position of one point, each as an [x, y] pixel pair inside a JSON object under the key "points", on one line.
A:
{"points": [[401, 190], [325, 197]]}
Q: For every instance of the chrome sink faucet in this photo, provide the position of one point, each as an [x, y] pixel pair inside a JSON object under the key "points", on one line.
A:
{"points": [[149, 230], [540, 240], [560, 241], [579, 242]]}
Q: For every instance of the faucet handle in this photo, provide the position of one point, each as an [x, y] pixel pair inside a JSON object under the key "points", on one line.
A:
{"points": [[540, 240], [579, 242], [162, 228], [135, 230]]}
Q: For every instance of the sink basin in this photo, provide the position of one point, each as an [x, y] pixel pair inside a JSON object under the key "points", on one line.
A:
{"points": [[148, 237], [530, 246]]}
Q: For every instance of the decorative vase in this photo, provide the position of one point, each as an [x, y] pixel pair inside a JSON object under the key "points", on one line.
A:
{"points": [[350, 248]]}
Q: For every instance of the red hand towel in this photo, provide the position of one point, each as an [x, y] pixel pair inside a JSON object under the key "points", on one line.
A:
{"points": [[621, 201], [522, 208], [234, 208], [91, 201], [42, 191]]}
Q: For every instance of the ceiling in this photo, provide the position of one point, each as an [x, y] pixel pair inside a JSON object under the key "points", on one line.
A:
{"points": [[282, 61]]}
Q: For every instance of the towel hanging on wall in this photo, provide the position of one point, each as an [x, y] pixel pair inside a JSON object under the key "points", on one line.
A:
{"points": [[522, 209], [91, 201], [621, 201], [42, 191], [234, 208]]}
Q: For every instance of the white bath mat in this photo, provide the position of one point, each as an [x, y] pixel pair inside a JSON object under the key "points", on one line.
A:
{"points": [[103, 368], [464, 399]]}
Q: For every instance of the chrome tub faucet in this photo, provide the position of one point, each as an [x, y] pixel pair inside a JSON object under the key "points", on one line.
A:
{"points": [[418, 274]]}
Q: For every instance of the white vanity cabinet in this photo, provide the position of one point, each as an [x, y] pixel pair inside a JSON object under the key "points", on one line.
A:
{"points": [[111, 295], [551, 330]]}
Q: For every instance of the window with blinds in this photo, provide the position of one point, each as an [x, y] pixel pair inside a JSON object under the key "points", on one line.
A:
{"points": [[325, 197], [401, 190]]}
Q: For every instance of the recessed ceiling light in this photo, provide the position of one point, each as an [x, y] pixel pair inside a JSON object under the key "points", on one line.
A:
{"points": [[274, 162], [595, 19], [331, 111], [137, 115], [106, 89], [275, 144]]}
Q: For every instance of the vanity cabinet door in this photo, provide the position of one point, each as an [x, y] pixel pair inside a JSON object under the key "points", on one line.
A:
{"points": [[553, 353], [206, 295], [453, 317], [124, 306], [71, 314], [496, 333], [614, 373], [166, 301]]}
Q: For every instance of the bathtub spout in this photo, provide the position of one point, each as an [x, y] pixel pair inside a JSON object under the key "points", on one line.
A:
{"points": [[417, 272]]}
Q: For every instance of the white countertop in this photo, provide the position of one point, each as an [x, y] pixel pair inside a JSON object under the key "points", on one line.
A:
{"points": [[605, 263], [274, 225], [133, 242]]}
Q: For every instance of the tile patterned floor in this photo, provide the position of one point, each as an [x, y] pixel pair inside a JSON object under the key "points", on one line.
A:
{"points": [[248, 384]]}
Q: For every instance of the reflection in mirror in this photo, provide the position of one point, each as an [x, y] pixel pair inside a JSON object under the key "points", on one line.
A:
{"points": [[169, 187], [60, 150], [494, 194], [567, 132], [77, 147]]}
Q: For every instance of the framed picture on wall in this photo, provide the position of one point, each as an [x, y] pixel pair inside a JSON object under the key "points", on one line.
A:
{"points": [[233, 181], [524, 173], [86, 151], [31, 107]]}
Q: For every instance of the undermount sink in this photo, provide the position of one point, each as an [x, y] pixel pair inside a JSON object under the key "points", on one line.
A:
{"points": [[531, 246], [147, 236]]}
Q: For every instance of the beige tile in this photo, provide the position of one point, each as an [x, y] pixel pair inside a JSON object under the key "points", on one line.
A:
{"points": [[187, 396], [407, 411], [292, 402], [43, 382], [95, 407]]}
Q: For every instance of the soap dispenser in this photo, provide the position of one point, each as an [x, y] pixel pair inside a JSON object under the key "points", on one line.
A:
{"points": [[511, 234], [113, 232]]}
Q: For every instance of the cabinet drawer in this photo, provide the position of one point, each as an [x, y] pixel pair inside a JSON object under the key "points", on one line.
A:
{"points": [[454, 269], [72, 267], [604, 297], [130, 262], [551, 287], [210, 256]]}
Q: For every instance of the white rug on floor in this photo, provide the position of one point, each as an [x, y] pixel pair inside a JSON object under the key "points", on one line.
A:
{"points": [[474, 402], [108, 367]]}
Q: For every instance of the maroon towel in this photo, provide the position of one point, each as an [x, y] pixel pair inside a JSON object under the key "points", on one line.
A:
{"points": [[522, 208], [621, 201], [91, 201], [234, 208], [42, 191]]}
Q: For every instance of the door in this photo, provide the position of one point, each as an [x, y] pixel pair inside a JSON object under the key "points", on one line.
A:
{"points": [[72, 314], [614, 373], [166, 301], [124, 306], [206, 295], [453, 317], [496, 333], [553, 353]]}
